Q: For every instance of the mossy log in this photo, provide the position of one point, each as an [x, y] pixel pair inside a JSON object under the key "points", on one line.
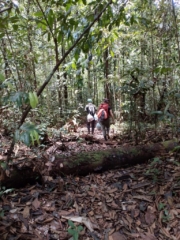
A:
{"points": [[86, 162]]}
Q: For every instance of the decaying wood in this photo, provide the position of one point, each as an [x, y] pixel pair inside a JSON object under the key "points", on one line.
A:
{"points": [[87, 162], [84, 163]]}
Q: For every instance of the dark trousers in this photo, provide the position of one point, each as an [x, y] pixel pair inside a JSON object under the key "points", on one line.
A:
{"points": [[105, 124], [91, 125]]}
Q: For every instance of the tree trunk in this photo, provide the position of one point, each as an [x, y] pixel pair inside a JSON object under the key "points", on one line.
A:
{"points": [[86, 162]]}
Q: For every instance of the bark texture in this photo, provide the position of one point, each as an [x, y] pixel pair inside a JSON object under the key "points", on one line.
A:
{"points": [[85, 163]]}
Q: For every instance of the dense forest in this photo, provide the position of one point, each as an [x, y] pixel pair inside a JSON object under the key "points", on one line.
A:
{"points": [[56, 54]]}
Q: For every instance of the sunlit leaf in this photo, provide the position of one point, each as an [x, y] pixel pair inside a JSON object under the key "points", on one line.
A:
{"points": [[33, 99]]}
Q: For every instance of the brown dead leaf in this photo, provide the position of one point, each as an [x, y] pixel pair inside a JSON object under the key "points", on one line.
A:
{"points": [[78, 219], [92, 194], [149, 215], [166, 233], [142, 197], [112, 190], [26, 212], [65, 213], [48, 220], [147, 236], [36, 204], [117, 236], [140, 185], [130, 220], [170, 201], [135, 213]]}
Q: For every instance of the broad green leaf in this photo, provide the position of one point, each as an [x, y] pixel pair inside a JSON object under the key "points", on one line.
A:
{"points": [[27, 127], [38, 14], [51, 18], [15, 27], [80, 228], [60, 37], [71, 224], [71, 231], [73, 65], [18, 98], [2, 78], [112, 53], [33, 99], [34, 136], [14, 19], [25, 138], [76, 236]]}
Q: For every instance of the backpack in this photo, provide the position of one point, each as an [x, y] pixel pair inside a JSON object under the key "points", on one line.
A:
{"points": [[103, 111], [91, 109]]}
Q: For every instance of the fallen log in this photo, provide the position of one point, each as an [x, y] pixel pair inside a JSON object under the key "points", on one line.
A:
{"points": [[85, 162], [98, 161]]}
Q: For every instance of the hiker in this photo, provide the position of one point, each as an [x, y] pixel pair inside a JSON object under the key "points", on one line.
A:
{"points": [[91, 110], [104, 113]]}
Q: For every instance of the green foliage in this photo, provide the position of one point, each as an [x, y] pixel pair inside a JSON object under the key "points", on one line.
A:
{"points": [[4, 191], [3, 165], [2, 78], [155, 161], [1, 213], [33, 99], [19, 98], [161, 206], [176, 149], [166, 216], [74, 230], [28, 134]]}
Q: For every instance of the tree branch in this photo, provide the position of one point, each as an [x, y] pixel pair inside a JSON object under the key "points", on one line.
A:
{"points": [[5, 9]]}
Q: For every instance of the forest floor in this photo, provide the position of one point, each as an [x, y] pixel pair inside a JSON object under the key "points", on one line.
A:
{"points": [[138, 202]]}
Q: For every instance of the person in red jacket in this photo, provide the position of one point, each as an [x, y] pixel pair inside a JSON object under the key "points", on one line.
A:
{"points": [[104, 117]]}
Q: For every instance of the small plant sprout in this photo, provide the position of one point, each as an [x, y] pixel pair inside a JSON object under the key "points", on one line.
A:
{"points": [[74, 230]]}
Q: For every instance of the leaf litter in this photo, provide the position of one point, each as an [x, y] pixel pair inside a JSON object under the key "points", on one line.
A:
{"points": [[139, 202]]}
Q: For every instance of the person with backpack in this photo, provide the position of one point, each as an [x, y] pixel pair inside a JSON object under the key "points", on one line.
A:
{"points": [[90, 108], [104, 113]]}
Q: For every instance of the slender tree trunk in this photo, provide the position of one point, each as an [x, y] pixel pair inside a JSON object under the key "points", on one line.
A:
{"points": [[65, 83], [177, 28], [106, 73]]}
